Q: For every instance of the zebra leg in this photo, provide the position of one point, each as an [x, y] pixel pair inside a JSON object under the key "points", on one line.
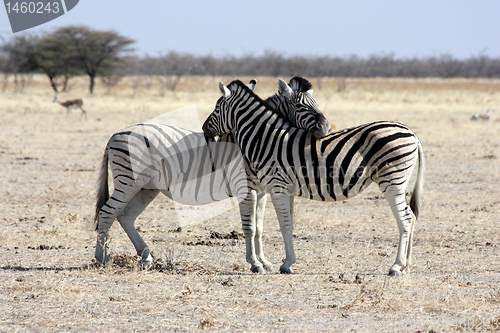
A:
{"points": [[102, 249], [410, 242], [248, 218], [127, 218], [259, 215], [107, 216], [406, 221], [109, 212], [283, 204]]}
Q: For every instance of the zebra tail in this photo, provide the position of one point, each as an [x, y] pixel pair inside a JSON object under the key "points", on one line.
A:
{"points": [[416, 198], [102, 188]]}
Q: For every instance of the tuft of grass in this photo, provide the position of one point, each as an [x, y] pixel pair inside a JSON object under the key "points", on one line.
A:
{"points": [[169, 260], [125, 261]]}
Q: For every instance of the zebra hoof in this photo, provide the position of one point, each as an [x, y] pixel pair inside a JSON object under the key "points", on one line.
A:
{"points": [[146, 258], [102, 257], [147, 265], [286, 270], [270, 269], [102, 251], [395, 273], [258, 269], [107, 261]]}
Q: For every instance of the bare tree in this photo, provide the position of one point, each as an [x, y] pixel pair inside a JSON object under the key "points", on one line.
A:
{"points": [[174, 65], [17, 58]]}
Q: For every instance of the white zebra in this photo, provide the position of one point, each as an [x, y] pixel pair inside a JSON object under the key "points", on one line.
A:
{"points": [[146, 159], [287, 162]]}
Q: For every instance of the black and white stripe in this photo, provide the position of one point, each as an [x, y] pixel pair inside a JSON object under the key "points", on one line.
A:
{"points": [[147, 159], [305, 114], [286, 162]]}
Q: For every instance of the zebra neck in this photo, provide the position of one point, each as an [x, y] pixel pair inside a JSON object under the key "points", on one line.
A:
{"points": [[278, 103], [254, 124], [251, 111], [252, 119]]}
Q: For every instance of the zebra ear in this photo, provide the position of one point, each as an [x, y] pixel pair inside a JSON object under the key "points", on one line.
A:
{"points": [[284, 89], [224, 90], [252, 84]]}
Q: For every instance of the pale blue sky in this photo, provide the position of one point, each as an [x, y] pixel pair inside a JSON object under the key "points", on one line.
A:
{"points": [[335, 28]]}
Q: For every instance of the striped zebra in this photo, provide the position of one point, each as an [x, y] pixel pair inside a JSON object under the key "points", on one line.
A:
{"points": [[146, 159], [286, 162]]}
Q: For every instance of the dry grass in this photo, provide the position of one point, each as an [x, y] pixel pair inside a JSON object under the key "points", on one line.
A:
{"points": [[49, 281]]}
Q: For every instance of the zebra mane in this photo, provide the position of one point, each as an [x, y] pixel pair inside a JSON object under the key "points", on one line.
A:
{"points": [[299, 84], [269, 106], [274, 101]]}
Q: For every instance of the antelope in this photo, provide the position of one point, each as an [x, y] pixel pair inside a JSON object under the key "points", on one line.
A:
{"points": [[483, 116], [72, 104]]}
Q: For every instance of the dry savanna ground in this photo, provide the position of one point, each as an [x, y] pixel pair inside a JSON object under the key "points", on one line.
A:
{"points": [[49, 169]]}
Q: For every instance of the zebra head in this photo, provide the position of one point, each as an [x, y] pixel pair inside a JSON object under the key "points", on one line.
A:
{"points": [[216, 124], [301, 108]]}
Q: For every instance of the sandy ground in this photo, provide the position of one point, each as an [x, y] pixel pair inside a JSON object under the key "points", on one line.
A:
{"points": [[50, 164]]}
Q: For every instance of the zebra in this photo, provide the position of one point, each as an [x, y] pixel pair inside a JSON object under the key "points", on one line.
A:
{"points": [[135, 188], [286, 162]]}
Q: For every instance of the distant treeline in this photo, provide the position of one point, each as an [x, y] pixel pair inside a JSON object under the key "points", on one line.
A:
{"points": [[78, 50], [274, 64]]}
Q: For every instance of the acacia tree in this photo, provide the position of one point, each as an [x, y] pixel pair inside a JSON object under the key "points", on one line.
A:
{"points": [[94, 52], [52, 56]]}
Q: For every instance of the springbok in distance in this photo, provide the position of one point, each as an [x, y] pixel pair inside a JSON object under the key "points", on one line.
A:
{"points": [[72, 104], [483, 116]]}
